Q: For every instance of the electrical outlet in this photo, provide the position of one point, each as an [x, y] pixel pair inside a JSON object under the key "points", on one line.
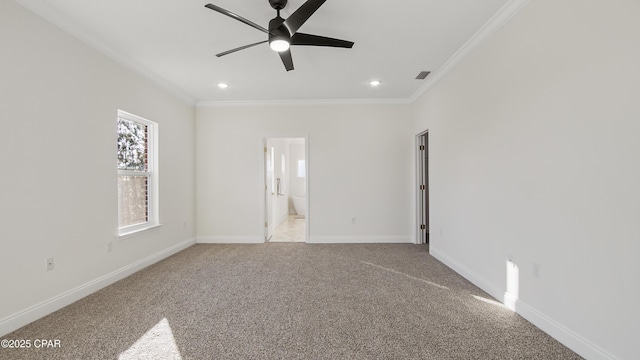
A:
{"points": [[536, 270], [49, 264]]}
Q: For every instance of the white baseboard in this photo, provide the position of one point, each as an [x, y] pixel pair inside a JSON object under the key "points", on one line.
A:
{"points": [[229, 240], [37, 311], [467, 273], [312, 240], [574, 341], [360, 240]]}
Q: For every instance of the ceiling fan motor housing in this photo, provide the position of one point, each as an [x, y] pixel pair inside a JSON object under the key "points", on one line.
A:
{"points": [[276, 27], [277, 31], [278, 4]]}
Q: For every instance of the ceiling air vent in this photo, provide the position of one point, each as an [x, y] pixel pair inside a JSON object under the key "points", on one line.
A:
{"points": [[423, 75]]}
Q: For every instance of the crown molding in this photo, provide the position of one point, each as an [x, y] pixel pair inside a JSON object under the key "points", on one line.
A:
{"points": [[500, 19], [307, 102], [68, 25]]}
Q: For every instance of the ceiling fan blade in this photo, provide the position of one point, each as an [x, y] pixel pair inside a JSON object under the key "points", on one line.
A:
{"points": [[237, 17], [316, 40], [240, 48], [287, 60], [301, 15]]}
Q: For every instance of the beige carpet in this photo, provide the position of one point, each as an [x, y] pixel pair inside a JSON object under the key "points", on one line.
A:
{"points": [[290, 301]]}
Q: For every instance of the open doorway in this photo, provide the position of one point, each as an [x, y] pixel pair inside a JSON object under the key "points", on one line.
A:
{"points": [[286, 189], [423, 187]]}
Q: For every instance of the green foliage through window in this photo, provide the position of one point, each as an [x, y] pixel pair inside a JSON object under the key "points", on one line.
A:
{"points": [[132, 145], [135, 171]]}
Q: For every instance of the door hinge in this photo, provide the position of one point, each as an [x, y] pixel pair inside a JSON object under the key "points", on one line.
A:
{"points": [[422, 147], [422, 187], [265, 149], [423, 226], [266, 224]]}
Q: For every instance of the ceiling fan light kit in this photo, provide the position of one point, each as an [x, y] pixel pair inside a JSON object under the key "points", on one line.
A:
{"points": [[279, 45], [282, 33]]}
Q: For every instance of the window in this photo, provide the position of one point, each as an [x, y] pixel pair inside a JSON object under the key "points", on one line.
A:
{"points": [[137, 174]]}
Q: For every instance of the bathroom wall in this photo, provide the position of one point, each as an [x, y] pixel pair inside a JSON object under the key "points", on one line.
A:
{"points": [[297, 184], [279, 201]]}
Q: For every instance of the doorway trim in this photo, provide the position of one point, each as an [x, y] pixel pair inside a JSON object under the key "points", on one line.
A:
{"points": [[265, 185], [422, 188]]}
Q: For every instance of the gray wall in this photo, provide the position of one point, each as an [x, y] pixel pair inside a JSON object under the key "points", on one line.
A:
{"points": [[349, 174], [59, 102], [534, 157]]}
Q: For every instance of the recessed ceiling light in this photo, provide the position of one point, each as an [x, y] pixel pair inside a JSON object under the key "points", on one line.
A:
{"points": [[375, 83], [223, 86]]}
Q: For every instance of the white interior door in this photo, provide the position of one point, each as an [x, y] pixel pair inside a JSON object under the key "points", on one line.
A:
{"points": [[268, 190]]}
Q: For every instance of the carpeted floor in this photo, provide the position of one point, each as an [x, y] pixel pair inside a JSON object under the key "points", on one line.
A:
{"points": [[290, 301]]}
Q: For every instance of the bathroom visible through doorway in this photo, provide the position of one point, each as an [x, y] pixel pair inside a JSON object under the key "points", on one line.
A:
{"points": [[286, 189]]}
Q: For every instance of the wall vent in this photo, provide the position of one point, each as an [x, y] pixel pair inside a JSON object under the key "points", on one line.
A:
{"points": [[423, 75]]}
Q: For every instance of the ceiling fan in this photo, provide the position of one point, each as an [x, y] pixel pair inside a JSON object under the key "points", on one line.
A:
{"points": [[284, 32]]}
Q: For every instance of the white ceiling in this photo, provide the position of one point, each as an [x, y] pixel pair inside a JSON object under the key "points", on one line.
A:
{"points": [[175, 42]]}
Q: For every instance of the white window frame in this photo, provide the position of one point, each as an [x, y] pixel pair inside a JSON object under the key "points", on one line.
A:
{"points": [[152, 174]]}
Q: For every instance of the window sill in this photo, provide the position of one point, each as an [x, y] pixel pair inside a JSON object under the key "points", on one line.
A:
{"points": [[128, 233]]}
